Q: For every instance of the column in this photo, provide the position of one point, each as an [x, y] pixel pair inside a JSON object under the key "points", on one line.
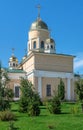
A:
{"points": [[68, 89], [40, 86], [38, 42]]}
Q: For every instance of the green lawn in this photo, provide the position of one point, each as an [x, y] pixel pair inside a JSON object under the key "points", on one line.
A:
{"points": [[47, 121]]}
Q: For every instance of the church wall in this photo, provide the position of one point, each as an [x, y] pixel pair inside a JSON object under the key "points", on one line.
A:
{"points": [[12, 82], [36, 34], [28, 66], [53, 63], [54, 86]]}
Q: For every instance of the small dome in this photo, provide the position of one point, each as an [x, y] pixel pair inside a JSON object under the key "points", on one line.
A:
{"points": [[50, 40], [13, 58], [39, 24]]}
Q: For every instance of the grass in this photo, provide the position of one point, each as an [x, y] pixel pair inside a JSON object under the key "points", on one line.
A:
{"points": [[46, 121]]}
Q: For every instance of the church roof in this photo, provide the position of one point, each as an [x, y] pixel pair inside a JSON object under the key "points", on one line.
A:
{"points": [[39, 24], [14, 70]]}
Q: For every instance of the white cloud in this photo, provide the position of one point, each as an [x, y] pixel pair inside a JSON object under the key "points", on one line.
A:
{"points": [[78, 63]]}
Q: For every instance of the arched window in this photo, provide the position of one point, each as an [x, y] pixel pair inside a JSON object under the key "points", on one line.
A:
{"points": [[42, 44], [47, 46], [13, 64], [34, 44], [51, 46]]}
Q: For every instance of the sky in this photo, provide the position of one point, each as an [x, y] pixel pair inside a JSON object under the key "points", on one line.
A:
{"points": [[63, 17]]}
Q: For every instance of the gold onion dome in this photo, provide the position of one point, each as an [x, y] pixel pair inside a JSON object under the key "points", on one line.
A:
{"points": [[39, 24], [13, 58], [50, 40]]}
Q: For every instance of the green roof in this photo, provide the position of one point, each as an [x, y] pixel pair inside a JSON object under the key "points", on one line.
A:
{"points": [[14, 70]]}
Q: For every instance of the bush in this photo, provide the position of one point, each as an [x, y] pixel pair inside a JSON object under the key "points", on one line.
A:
{"points": [[30, 99], [23, 105], [75, 109], [12, 126], [7, 116], [4, 104], [33, 109], [55, 105]]}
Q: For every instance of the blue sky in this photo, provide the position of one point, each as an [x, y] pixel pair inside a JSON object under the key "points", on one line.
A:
{"points": [[63, 17]]}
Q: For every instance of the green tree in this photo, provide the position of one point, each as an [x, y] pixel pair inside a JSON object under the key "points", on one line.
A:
{"points": [[79, 90], [4, 98], [55, 105], [29, 101], [61, 90]]}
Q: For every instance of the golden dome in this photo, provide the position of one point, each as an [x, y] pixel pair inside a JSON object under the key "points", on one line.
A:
{"points": [[13, 58], [39, 24]]}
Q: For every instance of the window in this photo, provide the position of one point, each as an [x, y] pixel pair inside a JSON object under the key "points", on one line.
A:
{"points": [[48, 47], [13, 64], [34, 44], [48, 90], [17, 92], [51, 46], [42, 44]]}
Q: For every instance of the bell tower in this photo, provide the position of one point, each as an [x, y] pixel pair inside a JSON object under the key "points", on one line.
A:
{"points": [[13, 61], [39, 37]]}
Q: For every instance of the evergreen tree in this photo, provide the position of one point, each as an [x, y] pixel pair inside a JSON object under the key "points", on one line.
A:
{"points": [[4, 94], [79, 90], [61, 90], [55, 105], [29, 101]]}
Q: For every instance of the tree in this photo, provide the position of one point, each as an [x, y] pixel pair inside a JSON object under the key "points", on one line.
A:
{"points": [[79, 90], [61, 90], [29, 101], [4, 90], [55, 105]]}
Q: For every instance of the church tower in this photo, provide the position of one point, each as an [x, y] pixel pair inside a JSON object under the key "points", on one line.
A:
{"points": [[39, 37], [43, 66], [13, 61]]}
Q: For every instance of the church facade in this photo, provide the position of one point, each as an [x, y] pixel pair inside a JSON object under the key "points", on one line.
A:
{"points": [[42, 65]]}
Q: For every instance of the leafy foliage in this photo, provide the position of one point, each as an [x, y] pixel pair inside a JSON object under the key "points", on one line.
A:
{"points": [[61, 90], [7, 116], [55, 105], [79, 89], [29, 101], [5, 92]]}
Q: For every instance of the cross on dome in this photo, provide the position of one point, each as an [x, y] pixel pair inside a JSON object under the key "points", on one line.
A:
{"points": [[13, 49], [39, 7]]}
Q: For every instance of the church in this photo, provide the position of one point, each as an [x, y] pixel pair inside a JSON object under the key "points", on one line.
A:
{"points": [[42, 65]]}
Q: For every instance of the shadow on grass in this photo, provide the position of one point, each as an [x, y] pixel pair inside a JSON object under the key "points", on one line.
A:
{"points": [[65, 113], [13, 110]]}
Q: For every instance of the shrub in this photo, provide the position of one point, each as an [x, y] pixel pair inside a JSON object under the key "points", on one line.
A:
{"points": [[33, 108], [23, 105], [75, 109], [4, 104], [55, 105], [30, 99], [7, 116], [61, 90], [11, 126]]}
